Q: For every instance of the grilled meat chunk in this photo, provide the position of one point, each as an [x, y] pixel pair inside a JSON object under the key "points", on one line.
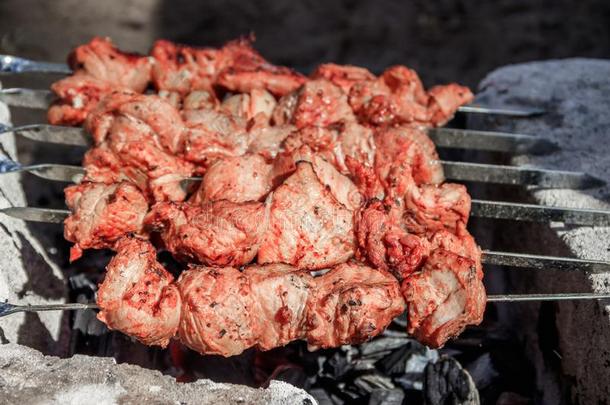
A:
{"points": [[398, 96], [385, 243], [236, 179], [212, 135], [334, 143], [101, 214], [443, 298], [236, 66], [137, 139], [408, 146], [137, 296], [219, 233], [218, 316], [316, 103], [280, 293], [429, 208], [309, 227], [351, 304], [344, 76], [224, 311], [99, 68]]}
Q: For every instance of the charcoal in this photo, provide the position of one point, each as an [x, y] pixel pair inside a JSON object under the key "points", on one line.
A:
{"points": [[367, 383], [337, 365], [321, 396], [382, 345], [446, 382], [292, 375], [387, 397], [482, 371], [395, 362]]}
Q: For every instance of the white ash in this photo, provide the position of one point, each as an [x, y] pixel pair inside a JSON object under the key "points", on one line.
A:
{"points": [[27, 275], [28, 377], [574, 92]]}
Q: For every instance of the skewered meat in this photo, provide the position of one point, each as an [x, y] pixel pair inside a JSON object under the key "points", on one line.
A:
{"points": [[430, 208], [258, 104], [309, 227], [236, 66], [316, 103], [445, 297], [101, 214], [342, 162], [138, 296], [99, 68], [344, 76], [384, 242], [219, 233], [138, 137], [334, 143], [225, 311], [398, 96], [411, 147], [352, 303], [236, 179], [212, 135]]}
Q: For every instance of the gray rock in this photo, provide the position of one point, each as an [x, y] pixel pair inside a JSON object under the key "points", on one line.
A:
{"points": [[573, 349], [27, 276], [29, 377]]}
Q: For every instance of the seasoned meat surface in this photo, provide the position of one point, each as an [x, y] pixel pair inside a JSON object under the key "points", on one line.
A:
{"points": [[352, 303], [99, 68], [236, 179], [308, 227], [137, 296], [280, 294], [445, 297], [219, 233], [137, 138], [217, 317], [328, 172], [101, 214]]}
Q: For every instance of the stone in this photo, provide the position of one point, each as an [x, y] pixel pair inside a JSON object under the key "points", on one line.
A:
{"points": [[570, 348], [30, 377], [27, 274]]}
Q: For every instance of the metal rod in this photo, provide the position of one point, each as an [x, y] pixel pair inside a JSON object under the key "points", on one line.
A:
{"points": [[460, 171], [33, 214], [491, 141], [56, 134], [522, 112], [13, 64], [41, 99], [547, 297], [538, 262], [522, 176], [27, 98], [442, 137], [9, 309], [539, 213], [49, 171]]}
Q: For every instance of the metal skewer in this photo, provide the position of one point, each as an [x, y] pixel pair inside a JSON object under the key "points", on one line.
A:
{"points": [[13, 64], [547, 297], [522, 176], [55, 134], [512, 112], [461, 171], [489, 257], [491, 141], [480, 208], [442, 137], [9, 309]]}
